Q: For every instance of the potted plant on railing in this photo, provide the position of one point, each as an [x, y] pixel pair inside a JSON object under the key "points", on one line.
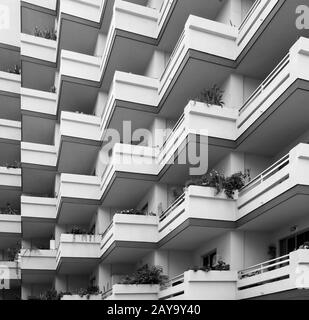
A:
{"points": [[228, 185], [146, 280], [136, 212], [211, 96], [48, 34], [220, 266]]}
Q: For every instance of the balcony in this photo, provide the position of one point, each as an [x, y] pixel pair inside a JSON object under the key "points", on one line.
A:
{"points": [[148, 164], [42, 49], [79, 143], [282, 278], [38, 266], [281, 95], [139, 233], [267, 201], [78, 199], [213, 285], [83, 9], [39, 168], [10, 82], [10, 230], [10, 136], [186, 223], [132, 292], [129, 95], [78, 254], [48, 4], [38, 211]]}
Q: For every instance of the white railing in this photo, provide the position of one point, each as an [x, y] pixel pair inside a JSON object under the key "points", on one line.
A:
{"points": [[269, 172], [107, 294], [174, 282], [169, 63], [270, 78], [172, 207], [264, 267], [176, 126], [249, 14]]}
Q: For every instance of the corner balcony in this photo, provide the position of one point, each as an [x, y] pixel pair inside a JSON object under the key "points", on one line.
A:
{"points": [[213, 285], [79, 143], [186, 223], [129, 96], [267, 201], [39, 167], [10, 82], [78, 199], [141, 166], [37, 48], [38, 211], [139, 234], [276, 111], [38, 266], [282, 278], [78, 254]]}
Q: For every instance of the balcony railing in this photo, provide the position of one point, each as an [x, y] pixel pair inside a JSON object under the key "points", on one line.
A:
{"points": [[268, 173], [281, 67], [179, 201], [265, 267]]}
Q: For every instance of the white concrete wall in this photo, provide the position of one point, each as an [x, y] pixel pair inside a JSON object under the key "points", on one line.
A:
{"points": [[237, 89], [155, 4], [156, 64], [100, 45], [10, 17]]}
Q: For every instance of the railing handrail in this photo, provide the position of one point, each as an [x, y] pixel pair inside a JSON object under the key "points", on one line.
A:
{"points": [[264, 266], [107, 229], [174, 205], [179, 278], [176, 126], [249, 14], [268, 172], [173, 53], [268, 80]]}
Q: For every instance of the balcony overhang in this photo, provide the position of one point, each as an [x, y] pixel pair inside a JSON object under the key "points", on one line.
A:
{"points": [[185, 224], [38, 266], [39, 168], [38, 216], [79, 143], [10, 187], [134, 169], [267, 201], [78, 199], [78, 254], [129, 238]]}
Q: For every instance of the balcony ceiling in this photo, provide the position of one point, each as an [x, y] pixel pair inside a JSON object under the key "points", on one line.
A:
{"points": [[274, 43], [10, 107], [37, 228], [281, 212], [281, 127], [76, 213], [38, 130], [205, 9]]}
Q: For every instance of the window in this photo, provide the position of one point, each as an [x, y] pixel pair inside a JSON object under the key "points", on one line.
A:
{"points": [[210, 259], [292, 243]]}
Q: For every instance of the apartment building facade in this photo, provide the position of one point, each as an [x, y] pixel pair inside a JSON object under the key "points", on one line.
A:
{"points": [[88, 198]]}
